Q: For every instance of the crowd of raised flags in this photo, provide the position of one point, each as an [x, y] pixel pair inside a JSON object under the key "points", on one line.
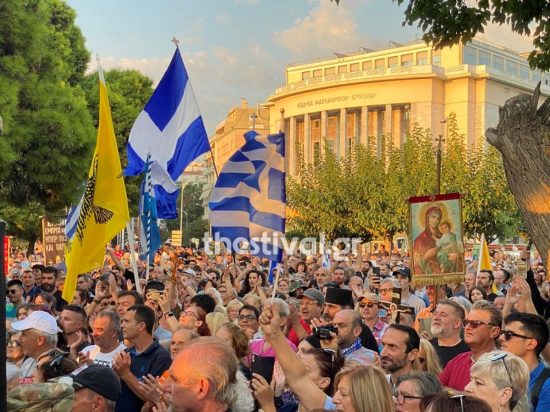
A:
{"points": [[248, 200]]}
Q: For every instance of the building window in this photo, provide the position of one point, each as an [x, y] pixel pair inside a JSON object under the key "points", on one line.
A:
{"points": [[318, 73], [524, 72], [436, 57], [380, 63], [484, 58], [469, 55], [329, 71], [367, 65], [511, 68], [498, 63], [393, 61], [342, 69], [422, 58], [354, 67], [306, 75], [407, 60]]}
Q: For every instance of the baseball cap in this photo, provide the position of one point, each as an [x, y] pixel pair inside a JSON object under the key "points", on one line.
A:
{"points": [[295, 285], [402, 272], [371, 297], [190, 271], [313, 294], [99, 379], [39, 320]]}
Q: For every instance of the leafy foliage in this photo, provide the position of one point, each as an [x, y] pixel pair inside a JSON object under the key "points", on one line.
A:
{"points": [[48, 129], [365, 195]]}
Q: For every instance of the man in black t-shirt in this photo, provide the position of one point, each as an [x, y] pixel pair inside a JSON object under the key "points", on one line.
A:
{"points": [[446, 327]]}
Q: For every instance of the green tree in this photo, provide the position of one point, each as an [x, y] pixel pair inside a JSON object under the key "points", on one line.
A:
{"points": [[194, 224], [47, 123], [129, 91]]}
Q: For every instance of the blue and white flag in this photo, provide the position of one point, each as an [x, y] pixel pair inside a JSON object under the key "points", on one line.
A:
{"points": [[171, 129], [273, 268], [248, 202], [149, 229]]}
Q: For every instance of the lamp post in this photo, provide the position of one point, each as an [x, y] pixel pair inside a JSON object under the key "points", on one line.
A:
{"points": [[439, 140]]}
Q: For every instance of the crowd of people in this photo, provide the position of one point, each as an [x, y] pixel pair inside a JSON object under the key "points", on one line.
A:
{"points": [[213, 333]]}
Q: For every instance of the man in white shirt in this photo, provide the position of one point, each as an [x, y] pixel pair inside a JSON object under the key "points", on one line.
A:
{"points": [[403, 275], [106, 332]]}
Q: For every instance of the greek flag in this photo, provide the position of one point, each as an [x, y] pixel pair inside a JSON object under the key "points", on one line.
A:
{"points": [[248, 202], [149, 229], [171, 129]]}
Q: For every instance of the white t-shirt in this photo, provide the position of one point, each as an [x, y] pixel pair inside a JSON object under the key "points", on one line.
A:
{"points": [[99, 358]]}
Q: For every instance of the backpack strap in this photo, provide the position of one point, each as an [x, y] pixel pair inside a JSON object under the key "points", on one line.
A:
{"points": [[544, 375]]}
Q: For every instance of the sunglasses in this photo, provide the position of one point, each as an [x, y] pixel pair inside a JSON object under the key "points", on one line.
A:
{"points": [[12, 291], [501, 356], [508, 334], [13, 344], [461, 397], [107, 303], [474, 324], [367, 304]]}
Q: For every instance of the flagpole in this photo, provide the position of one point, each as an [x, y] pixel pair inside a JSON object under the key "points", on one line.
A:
{"points": [[133, 262], [480, 255], [147, 185]]}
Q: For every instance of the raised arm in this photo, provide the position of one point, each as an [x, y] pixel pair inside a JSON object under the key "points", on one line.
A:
{"points": [[309, 394]]}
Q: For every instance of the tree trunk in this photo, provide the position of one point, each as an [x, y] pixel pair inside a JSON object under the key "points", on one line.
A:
{"points": [[523, 138]]}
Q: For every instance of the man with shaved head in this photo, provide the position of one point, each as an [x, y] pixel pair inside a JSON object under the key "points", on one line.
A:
{"points": [[349, 327]]}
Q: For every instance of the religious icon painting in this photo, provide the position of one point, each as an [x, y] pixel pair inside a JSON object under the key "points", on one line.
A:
{"points": [[436, 233]]}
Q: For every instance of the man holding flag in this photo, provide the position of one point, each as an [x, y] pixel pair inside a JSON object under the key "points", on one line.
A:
{"points": [[103, 209]]}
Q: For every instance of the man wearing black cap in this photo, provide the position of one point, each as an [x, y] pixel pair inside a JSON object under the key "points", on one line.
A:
{"points": [[96, 389], [403, 275]]}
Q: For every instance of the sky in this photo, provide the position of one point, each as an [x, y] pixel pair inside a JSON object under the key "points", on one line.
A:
{"points": [[240, 48]]}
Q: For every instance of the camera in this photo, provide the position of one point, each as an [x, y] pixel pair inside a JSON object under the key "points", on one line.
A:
{"points": [[323, 332]]}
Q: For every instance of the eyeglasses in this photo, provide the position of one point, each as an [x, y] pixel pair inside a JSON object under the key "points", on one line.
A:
{"points": [[384, 290], [508, 334], [107, 303], [461, 397], [191, 313], [12, 291], [501, 356], [13, 344], [474, 324], [367, 304], [246, 317], [400, 398]]}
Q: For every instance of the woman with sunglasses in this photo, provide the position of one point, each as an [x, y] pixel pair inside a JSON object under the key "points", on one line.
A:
{"points": [[15, 356], [369, 309], [500, 379], [437, 402]]}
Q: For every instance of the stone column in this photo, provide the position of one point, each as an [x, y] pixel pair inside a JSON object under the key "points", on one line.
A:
{"points": [[323, 130], [342, 138], [363, 126], [292, 147], [307, 138], [387, 121]]}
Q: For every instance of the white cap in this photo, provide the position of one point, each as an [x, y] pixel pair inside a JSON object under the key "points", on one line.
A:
{"points": [[190, 271], [39, 320]]}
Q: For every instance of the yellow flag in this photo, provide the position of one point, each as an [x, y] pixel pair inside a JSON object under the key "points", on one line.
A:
{"points": [[103, 209], [484, 257]]}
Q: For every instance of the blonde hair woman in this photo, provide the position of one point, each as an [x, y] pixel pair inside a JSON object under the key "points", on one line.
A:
{"points": [[363, 389], [214, 320], [233, 308], [500, 379], [428, 359]]}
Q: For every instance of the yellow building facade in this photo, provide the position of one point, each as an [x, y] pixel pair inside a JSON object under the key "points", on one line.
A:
{"points": [[355, 97]]}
